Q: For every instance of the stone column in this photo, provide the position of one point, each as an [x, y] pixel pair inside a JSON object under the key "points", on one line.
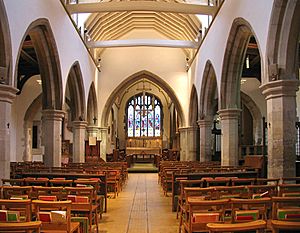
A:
{"points": [[7, 95], [92, 131], [205, 140], [79, 133], [281, 118], [103, 138], [230, 136], [192, 143], [183, 144], [52, 126]]}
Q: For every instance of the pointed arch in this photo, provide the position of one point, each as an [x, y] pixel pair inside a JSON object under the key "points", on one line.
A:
{"points": [[76, 92], [45, 47], [233, 61], [256, 116], [92, 106], [133, 78], [283, 39], [208, 103], [5, 48], [193, 108]]}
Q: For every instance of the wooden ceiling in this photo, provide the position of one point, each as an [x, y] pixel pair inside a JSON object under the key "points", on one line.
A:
{"points": [[113, 20]]}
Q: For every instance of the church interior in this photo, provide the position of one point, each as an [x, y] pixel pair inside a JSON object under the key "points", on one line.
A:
{"points": [[114, 111]]}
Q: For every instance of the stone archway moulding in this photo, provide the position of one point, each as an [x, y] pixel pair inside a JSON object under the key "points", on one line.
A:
{"points": [[45, 47], [5, 48], [235, 52], [208, 90], [76, 88], [92, 106], [193, 108], [133, 78]]}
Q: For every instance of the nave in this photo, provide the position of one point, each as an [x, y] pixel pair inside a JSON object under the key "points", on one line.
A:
{"points": [[140, 208]]}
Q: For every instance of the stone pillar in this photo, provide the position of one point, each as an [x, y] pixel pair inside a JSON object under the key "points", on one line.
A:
{"points": [[52, 126], [281, 118], [79, 133], [183, 143], [192, 143], [230, 136], [103, 138], [205, 140], [92, 131], [7, 95]]}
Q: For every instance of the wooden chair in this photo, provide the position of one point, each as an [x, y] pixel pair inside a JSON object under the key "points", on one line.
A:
{"points": [[61, 224], [49, 191], [16, 191], [27, 227], [246, 210], [113, 181], [259, 226], [40, 181], [13, 182], [83, 202], [242, 181], [60, 182], [289, 190], [285, 214], [181, 197], [201, 212], [192, 193], [95, 183], [254, 191], [223, 192], [22, 207]]}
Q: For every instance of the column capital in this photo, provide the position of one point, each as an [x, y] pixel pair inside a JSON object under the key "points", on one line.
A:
{"points": [[229, 113], [204, 122], [79, 124], [280, 88], [53, 114], [7, 93], [92, 128]]}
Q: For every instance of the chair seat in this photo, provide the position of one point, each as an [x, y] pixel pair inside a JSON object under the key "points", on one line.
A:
{"points": [[287, 225], [74, 227], [232, 227]]}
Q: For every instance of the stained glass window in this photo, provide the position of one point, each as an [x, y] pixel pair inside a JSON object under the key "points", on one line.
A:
{"points": [[144, 116]]}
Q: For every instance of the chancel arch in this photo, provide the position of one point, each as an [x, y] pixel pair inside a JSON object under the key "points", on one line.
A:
{"points": [[208, 111], [141, 84]]}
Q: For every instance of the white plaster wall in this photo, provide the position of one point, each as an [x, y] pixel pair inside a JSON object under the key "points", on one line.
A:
{"points": [[256, 12], [22, 102], [117, 64]]}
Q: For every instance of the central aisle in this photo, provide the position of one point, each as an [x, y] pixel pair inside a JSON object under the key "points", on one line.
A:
{"points": [[140, 208]]}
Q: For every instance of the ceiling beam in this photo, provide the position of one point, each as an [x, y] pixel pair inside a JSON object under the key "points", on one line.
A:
{"points": [[143, 42], [153, 6]]}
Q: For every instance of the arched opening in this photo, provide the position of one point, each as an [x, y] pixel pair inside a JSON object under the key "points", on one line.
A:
{"points": [[37, 74], [5, 48], [75, 124], [92, 106], [153, 94], [241, 72], [210, 134]]}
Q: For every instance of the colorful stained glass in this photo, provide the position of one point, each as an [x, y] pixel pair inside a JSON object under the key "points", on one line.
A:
{"points": [[130, 121], [144, 116], [157, 120]]}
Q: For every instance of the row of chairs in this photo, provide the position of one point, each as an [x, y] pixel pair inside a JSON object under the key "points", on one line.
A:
{"points": [[84, 199], [201, 215], [39, 216]]}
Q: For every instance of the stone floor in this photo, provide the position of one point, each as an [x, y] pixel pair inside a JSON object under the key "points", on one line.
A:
{"points": [[141, 207]]}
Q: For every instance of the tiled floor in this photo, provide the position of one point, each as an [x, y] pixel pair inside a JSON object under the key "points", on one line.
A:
{"points": [[140, 208]]}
